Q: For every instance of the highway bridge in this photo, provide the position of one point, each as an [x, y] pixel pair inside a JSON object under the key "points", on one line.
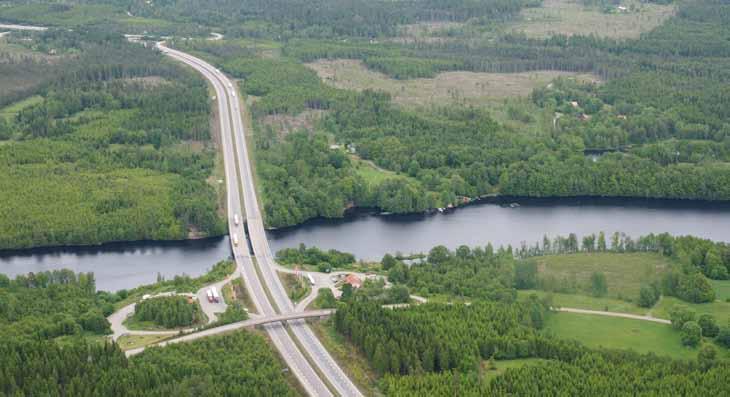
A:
{"points": [[256, 263]]}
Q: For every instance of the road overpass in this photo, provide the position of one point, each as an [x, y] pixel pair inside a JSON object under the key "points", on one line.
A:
{"points": [[238, 325]]}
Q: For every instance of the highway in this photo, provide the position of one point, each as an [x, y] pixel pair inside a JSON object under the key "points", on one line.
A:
{"points": [[265, 289]]}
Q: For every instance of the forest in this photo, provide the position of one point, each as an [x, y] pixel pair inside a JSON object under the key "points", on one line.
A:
{"points": [[118, 149], [238, 364], [438, 350], [52, 341], [51, 305], [652, 123]]}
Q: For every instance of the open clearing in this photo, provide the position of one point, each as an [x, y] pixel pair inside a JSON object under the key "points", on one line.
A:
{"points": [[445, 88], [722, 289], [719, 309], [570, 17], [625, 272], [13, 109], [619, 333], [128, 342], [588, 302]]}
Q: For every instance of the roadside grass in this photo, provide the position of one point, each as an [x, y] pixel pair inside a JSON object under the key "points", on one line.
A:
{"points": [[236, 291], [490, 370], [129, 342], [587, 302], [480, 89], [722, 289], [296, 288], [350, 359], [570, 17], [625, 272], [12, 110], [719, 309], [619, 333]]}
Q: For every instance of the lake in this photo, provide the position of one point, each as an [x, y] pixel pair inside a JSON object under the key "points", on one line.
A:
{"points": [[125, 265]]}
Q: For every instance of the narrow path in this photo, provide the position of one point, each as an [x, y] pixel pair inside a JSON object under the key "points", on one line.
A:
{"points": [[614, 314], [211, 309]]}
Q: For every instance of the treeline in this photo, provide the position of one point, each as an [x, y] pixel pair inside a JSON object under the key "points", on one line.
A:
{"points": [[439, 349], [168, 311], [435, 338], [118, 149], [496, 274], [328, 18], [313, 256], [240, 364], [48, 305]]}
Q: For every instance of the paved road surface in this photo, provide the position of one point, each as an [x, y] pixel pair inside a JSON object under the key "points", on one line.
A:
{"points": [[237, 172], [22, 27]]}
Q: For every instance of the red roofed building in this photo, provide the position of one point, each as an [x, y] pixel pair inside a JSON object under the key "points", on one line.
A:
{"points": [[353, 280]]}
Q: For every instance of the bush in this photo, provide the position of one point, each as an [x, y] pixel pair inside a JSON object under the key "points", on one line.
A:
{"points": [[708, 325], [723, 337], [691, 334], [680, 314], [599, 285], [648, 296]]}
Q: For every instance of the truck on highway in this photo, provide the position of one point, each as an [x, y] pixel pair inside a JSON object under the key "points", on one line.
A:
{"points": [[235, 219], [216, 297], [311, 279], [235, 239]]}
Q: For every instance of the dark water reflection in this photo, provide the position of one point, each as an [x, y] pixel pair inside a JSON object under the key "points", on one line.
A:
{"points": [[126, 265]]}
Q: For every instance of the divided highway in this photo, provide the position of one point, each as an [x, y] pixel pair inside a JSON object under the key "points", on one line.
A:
{"points": [[266, 289]]}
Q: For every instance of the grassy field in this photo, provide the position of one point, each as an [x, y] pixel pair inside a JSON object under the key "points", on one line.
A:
{"points": [[722, 289], [445, 88], [587, 302], [619, 333], [13, 109], [570, 17], [236, 290], [296, 288], [499, 367], [129, 342], [625, 273], [719, 309]]}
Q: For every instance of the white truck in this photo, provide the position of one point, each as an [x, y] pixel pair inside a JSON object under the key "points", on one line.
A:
{"points": [[209, 295], [235, 219], [235, 240], [311, 279], [216, 297]]}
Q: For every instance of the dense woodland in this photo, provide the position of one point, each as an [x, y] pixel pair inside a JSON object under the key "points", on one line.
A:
{"points": [[656, 111], [238, 364], [50, 305], [437, 350], [118, 149], [168, 311]]}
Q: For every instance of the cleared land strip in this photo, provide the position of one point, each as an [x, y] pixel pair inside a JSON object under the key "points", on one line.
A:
{"points": [[614, 314]]}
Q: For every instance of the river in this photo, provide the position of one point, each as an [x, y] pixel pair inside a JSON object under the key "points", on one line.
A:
{"points": [[126, 265]]}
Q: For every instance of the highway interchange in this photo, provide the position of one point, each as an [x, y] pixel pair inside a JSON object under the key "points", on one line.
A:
{"points": [[317, 371]]}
